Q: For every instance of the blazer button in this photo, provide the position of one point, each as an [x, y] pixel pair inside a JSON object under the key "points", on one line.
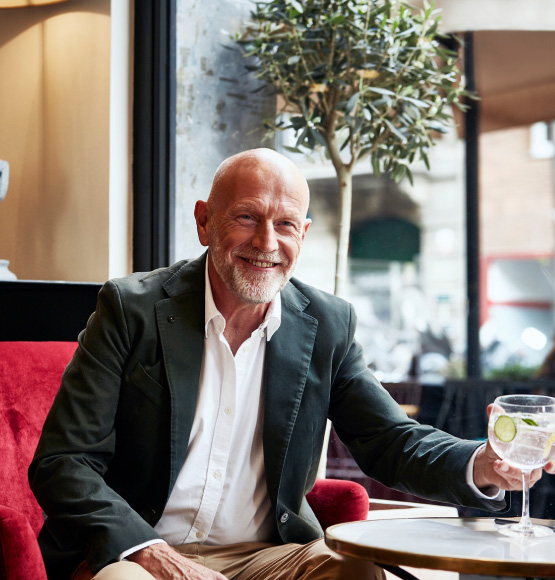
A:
{"points": [[284, 517], [172, 318]]}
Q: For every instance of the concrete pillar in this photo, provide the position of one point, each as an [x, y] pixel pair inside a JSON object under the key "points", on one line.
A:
{"points": [[217, 113]]}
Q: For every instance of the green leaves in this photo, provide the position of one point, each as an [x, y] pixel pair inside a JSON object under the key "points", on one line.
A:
{"points": [[351, 103], [395, 131], [297, 6], [373, 71]]}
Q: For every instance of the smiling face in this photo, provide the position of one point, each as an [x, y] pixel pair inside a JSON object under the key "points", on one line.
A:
{"points": [[254, 224]]}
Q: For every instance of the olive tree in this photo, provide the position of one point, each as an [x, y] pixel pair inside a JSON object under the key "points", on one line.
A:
{"points": [[360, 79]]}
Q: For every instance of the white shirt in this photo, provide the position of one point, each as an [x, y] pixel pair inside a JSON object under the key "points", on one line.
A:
{"points": [[220, 496]]}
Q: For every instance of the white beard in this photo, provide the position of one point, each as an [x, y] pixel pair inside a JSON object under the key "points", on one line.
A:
{"points": [[251, 287], [258, 288]]}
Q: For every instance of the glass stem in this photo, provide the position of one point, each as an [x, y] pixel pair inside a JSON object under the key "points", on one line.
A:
{"points": [[525, 524]]}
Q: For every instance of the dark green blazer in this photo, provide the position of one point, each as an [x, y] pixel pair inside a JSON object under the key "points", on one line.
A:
{"points": [[117, 434]]}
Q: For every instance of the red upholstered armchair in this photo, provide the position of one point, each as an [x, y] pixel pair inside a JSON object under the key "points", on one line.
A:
{"points": [[30, 374]]}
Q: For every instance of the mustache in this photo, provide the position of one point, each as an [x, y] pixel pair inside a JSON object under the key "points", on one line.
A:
{"points": [[251, 254]]}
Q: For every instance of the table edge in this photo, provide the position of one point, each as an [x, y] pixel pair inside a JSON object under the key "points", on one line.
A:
{"points": [[484, 566]]}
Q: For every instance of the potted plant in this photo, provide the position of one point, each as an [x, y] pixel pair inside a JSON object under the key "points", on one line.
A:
{"points": [[360, 79]]}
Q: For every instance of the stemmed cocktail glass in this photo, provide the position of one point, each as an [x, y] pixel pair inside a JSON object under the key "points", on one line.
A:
{"points": [[521, 431]]}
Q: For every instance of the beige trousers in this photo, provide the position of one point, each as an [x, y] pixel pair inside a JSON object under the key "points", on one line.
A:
{"points": [[255, 561]]}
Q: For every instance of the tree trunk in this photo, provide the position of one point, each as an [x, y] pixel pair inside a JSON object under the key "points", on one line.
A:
{"points": [[345, 184]]}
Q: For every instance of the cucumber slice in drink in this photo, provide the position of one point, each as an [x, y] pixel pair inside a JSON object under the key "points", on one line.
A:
{"points": [[505, 429]]}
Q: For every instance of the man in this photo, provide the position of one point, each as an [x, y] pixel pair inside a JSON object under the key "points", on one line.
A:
{"points": [[189, 424]]}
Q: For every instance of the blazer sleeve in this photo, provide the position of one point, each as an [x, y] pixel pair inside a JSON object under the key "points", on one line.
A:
{"points": [[78, 443], [391, 448]]}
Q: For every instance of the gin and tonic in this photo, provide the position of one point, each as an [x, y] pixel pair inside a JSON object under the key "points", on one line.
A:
{"points": [[521, 431]]}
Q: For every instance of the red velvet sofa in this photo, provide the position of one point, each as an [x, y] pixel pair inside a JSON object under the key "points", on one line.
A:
{"points": [[30, 374]]}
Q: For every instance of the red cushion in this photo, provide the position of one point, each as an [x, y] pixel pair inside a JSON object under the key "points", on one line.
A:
{"points": [[30, 374], [20, 556], [335, 501]]}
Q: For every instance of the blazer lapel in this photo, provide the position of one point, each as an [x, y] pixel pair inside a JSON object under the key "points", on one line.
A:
{"points": [[288, 356], [180, 321]]}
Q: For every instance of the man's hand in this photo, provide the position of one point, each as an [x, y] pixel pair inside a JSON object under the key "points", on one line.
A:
{"points": [[165, 563], [491, 471]]}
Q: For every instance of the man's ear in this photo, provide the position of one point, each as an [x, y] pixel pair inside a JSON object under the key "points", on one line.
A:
{"points": [[201, 217], [307, 222]]}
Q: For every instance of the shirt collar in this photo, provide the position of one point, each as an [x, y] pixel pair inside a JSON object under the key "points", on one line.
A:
{"points": [[270, 324]]}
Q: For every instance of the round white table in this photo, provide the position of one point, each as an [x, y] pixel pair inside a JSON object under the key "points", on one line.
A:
{"points": [[465, 545]]}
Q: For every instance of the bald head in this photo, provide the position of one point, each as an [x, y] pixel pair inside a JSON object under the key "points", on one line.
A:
{"points": [[254, 224], [258, 165]]}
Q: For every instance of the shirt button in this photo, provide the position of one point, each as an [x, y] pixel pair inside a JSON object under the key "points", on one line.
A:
{"points": [[217, 474], [227, 410], [284, 517], [262, 333], [199, 535]]}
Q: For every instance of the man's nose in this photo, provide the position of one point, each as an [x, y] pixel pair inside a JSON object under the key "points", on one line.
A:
{"points": [[265, 238]]}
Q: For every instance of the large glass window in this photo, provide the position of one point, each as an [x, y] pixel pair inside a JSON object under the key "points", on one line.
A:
{"points": [[517, 233], [409, 242], [411, 295], [407, 261]]}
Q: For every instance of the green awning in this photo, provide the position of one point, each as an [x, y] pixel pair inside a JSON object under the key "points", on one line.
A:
{"points": [[388, 239]]}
